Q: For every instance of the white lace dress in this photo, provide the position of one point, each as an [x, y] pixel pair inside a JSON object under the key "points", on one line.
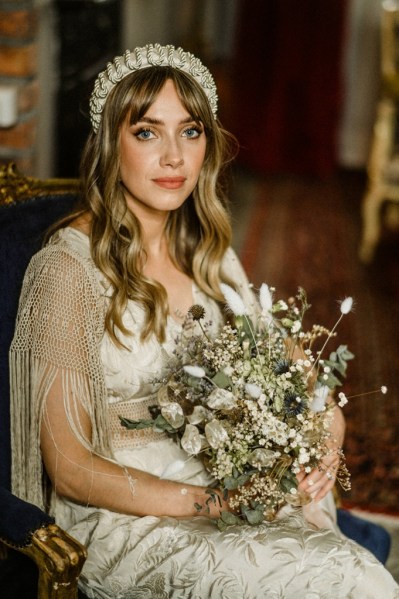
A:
{"points": [[158, 558]]}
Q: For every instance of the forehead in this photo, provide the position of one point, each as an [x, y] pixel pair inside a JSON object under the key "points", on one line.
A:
{"points": [[167, 103]]}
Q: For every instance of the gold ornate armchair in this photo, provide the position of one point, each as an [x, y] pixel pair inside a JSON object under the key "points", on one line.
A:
{"points": [[28, 207], [383, 165]]}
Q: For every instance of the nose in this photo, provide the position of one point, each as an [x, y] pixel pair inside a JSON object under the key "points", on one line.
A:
{"points": [[172, 154]]}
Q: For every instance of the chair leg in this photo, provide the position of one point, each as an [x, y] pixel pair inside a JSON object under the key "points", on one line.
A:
{"points": [[381, 151]]}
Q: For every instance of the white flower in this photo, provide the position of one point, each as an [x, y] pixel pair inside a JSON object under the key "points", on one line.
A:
{"points": [[343, 400], [191, 440], [296, 327], [253, 390], [265, 299], [384, 389], [233, 300], [195, 371], [228, 370], [346, 305], [319, 398], [281, 305]]}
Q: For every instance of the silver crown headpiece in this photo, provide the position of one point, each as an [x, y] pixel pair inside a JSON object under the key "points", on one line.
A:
{"points": [[148, 56]]}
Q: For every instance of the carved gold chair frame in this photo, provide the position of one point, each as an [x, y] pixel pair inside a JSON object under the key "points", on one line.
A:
{"points": [[14, 186]]}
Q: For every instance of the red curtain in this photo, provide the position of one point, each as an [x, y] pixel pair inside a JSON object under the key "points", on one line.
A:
{"points": [[286, 84]]}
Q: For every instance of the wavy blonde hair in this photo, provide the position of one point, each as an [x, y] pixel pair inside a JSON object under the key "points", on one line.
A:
{"points": [[198, 233]]}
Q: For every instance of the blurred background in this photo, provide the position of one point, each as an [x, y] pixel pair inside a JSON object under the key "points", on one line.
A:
{"points": [[314, 190], [298, 80]]}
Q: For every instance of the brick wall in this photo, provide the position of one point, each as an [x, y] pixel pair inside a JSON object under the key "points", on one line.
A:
{"points": [[19, 69]]}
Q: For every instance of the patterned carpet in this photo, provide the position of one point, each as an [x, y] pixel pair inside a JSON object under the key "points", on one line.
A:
{"points": [[292, 232]]}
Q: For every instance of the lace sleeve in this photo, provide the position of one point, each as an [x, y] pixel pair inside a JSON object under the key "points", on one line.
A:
{"points": [[59, 327]]}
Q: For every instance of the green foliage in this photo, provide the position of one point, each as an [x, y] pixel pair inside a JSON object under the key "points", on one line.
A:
{"points": [[158, 424], [338, 363]]}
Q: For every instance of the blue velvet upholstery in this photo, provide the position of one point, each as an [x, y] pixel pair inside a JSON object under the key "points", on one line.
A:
{"points": [[18, 573], [22, 226], [368, 534], [22, 519], [18, 576]]}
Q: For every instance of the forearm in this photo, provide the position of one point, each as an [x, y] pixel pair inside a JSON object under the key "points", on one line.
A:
{"points": [[91, 479], [97, 481]]}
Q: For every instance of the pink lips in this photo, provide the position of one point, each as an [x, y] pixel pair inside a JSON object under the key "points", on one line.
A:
{"points": [[170, 182]]}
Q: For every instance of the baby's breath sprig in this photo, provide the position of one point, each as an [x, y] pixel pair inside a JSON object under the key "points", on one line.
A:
{"points": [[343, 399]]}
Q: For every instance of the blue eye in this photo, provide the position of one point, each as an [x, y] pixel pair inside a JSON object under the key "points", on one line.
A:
{"points": [[144, 134], [192, 132]]}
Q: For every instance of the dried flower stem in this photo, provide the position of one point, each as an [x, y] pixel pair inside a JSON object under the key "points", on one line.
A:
{"points": [[368, 393]]}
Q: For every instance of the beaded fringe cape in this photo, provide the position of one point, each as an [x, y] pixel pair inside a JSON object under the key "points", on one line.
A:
{"points": [[59, 327]]}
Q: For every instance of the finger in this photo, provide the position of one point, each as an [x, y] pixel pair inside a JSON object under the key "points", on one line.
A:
{"points": [[300, 476], [321, 493], [327, 483], [311, 481], [317, 479], [310, 484]]}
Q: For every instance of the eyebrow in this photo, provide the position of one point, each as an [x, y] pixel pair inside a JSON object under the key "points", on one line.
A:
{"points": [[151, 121]]}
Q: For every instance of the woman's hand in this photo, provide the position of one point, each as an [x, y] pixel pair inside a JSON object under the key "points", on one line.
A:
{"points": [[321, 480]]}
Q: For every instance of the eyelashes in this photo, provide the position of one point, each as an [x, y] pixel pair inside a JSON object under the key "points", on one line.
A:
{"points": [[144, 133], [147, 133]]}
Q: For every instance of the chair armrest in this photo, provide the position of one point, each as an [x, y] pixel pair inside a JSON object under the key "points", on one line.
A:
{"points": [[59, 557]]}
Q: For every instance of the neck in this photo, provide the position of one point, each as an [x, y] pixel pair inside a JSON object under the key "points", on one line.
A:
{"points": [[153, 231]]}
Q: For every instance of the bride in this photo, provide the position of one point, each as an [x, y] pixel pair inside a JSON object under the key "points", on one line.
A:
{"points": [[101, 307]]}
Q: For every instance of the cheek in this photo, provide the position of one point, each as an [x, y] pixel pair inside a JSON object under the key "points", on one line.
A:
{"points": [[131, 160]]}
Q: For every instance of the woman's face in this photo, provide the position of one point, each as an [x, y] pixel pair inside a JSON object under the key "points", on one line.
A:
{"points": [[161, 155]]}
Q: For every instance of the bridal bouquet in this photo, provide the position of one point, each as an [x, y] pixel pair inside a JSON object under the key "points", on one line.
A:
{"points": [[252, 402]]}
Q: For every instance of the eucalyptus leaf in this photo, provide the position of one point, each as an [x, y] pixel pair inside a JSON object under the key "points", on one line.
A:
{"points": [[163, 425], [332, 381], [253, 516], [229, 518], [287, 483], [233, 482], [136, 424], [337, 362], [221, 380], [230, 483]]}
